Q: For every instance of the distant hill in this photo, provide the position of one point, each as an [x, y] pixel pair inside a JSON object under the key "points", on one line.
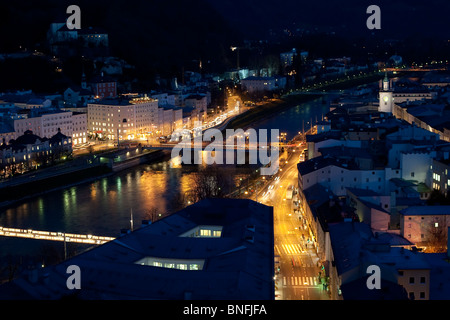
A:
{"points": [[166, 36], [157, 35], [399, 18]]}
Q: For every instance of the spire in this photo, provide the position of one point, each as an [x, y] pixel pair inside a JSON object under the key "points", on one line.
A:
{"points": [[386, 82]]}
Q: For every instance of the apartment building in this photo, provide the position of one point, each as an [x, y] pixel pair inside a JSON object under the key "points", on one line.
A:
{"points": [[123, 118]]}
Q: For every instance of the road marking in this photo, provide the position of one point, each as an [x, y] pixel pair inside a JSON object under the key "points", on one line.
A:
{"points": [[277, 249], [305, 281], [288, 246], [290, 249], [300, 282]]}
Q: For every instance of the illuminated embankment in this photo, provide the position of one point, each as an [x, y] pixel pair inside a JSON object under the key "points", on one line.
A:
{"points": [[53, 236]]}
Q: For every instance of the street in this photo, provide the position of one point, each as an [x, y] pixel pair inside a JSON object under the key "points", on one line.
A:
{"points": [[298, 276]]}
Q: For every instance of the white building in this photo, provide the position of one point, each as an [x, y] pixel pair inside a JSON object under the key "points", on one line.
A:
{"points": [[200, 105], [79, 128], [50, 122], [170, 118], [262, 84], [164, 99], [337, 175], [126, 119], [45, 124], [386, 97]]}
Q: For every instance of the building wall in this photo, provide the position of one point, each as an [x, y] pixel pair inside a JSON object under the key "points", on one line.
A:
{"points": [[404, 97], [79, 124], [105, 89], [258, 85], [416, 166], [7, 136], [128, 121], [199, 104], [416, 228], [402, 113], [420, 283], [164, 99], [386, 101], [33, 124], [338, 178], [439, 178], [51, 123], [46, 125]]}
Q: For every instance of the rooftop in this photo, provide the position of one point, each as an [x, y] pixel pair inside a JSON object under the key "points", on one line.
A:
{"points": [[426, 211], [347, 240], [363, 192], [238, 264], [332, 134], [317, 163], [357, 290], [439, 276]]}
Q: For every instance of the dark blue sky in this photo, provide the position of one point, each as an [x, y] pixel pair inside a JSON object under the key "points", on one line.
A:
{"points": [[400, 18]]}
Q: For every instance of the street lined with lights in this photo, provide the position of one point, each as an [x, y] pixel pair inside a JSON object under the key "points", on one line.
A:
{"points": [[297, 272]]}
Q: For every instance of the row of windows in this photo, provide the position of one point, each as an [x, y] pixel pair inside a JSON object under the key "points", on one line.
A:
{"points": [[109, 130], [436, 177], [179, 266], [412, 280], [106, 84], [207, 233], [354, 179]]}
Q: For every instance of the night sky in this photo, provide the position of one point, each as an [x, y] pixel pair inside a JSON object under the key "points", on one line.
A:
{"points": [[162, 37]]}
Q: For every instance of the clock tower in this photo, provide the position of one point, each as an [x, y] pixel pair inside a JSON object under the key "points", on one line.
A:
{"points": [[386, 97]]}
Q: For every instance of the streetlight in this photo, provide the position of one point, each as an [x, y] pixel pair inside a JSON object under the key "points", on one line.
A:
{"points": [[237, 54]]}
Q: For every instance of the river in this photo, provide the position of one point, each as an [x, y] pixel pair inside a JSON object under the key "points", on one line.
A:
{"points": [[103, 207]]}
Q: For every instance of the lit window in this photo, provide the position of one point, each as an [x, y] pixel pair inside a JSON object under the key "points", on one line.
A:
{"points": [[205, 233], [182, 266], [193, 266]]}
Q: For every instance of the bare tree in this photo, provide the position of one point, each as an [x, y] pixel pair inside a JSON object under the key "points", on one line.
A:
{"points": [[210, 182], [152, 214], [436, 235]]}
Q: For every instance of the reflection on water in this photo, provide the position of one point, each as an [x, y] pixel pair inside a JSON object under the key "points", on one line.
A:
{"points": [[103, 207]]}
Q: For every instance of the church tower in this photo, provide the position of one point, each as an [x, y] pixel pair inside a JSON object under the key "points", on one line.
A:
{"points": [[386, 97]]}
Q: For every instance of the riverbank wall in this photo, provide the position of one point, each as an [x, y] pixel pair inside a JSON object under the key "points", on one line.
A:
{"points": [[11, 195]]}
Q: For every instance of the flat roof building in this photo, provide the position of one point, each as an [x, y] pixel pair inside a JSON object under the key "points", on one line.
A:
{"points": [[216, 249]]}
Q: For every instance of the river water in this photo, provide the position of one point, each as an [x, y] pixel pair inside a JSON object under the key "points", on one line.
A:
{"points": [[103, 207]]}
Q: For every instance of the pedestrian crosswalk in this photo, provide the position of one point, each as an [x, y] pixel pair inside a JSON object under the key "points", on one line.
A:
{"points": [[300, 281], [289, 249]]}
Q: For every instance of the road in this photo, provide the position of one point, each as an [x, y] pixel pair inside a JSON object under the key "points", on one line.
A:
{"points": [[298, 277]]}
